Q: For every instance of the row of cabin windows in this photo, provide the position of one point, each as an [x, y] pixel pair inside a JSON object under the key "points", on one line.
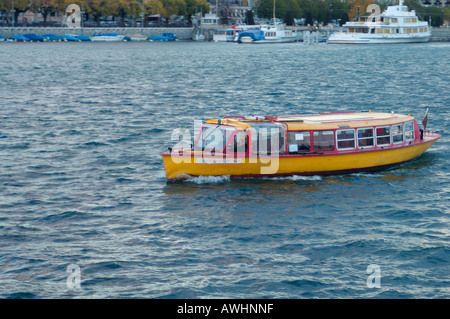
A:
{"points": [[347, 139], [270, 34], [405, 30], [267, 139]]}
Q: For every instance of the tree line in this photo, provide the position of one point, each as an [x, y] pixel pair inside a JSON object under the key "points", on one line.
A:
{"points": [[326, 11], [313, 11], [119, 9]]}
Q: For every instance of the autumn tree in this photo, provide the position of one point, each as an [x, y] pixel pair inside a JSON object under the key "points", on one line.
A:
{"points": [[173, 7], [194, 6], [19, 6], [46, 7], [358, 7]]}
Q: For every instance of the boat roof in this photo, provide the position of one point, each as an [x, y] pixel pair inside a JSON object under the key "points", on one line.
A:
{"points": [[320, 121]]}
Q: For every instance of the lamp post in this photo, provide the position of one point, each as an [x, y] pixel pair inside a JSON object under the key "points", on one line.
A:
{"points": [[82, 17], [13, 13]]}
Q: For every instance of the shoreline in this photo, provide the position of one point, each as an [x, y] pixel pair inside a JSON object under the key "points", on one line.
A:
{"points": [[183, 33]]}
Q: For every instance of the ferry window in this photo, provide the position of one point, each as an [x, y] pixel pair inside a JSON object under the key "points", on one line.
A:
{"points": [[394, 20], [323, 141], [365, 137], [397, 133], [239, 144], [214, 137], [409, 131], [345, 139], [379, 30], [383, 135], [265, 136], [299, 142]]}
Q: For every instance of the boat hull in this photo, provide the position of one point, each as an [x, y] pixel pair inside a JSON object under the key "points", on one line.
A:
{"points": [[196, 164], [251, 41], [349, 39]]}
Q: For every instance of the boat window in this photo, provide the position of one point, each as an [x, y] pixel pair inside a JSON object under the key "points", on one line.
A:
{"points": [[238, 144], [214, 137], [383, 135], [345, 139], [267, 137], [323, 141], [299, 142], [397, 133], [409, 131], [365, 137]]}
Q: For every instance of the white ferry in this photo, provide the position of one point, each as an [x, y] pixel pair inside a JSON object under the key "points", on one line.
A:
{"points": [[232, 34], [275, 33], [394, 25]]}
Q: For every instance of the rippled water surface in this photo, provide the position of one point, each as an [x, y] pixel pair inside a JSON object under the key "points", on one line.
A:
{"points": [[82, 181]]}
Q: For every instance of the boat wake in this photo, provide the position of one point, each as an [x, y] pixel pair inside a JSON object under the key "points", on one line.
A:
{"points": [[208, 179]]}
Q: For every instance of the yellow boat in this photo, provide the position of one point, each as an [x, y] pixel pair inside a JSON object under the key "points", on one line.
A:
{"points": [[310, 144]]}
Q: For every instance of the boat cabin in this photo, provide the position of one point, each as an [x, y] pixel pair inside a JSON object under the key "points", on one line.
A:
{"points": [[300, 135]]}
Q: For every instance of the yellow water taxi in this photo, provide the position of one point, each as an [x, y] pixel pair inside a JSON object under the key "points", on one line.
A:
{"points": [[309, 144]]}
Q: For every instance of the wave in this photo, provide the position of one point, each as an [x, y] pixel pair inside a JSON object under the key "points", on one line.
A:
{"points": [[208, 179]]}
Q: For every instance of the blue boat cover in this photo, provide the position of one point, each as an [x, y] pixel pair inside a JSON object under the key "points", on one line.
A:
{"points": [[71, 38], [20, 37], [52, 37], [34, 37], [161, 38], [170, 35], [2, 38], [256, 35], [83, 37]]}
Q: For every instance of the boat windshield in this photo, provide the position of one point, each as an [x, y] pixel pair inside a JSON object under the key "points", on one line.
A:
{"points": [[267, 137], [214, 137]]}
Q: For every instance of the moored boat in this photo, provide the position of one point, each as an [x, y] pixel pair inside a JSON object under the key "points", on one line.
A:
{"points": [[394, 25], [275, 33], [70, 38], [165, 37], [34, 37], [83, 38], [107, 37], [2, 38], [316, 144], [52, 37], [19, 38]]}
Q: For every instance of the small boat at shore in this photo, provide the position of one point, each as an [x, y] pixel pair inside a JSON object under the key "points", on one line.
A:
{"points": [[136, 37], [310, 144], [34, 37], [165, 37], [52, 37], [71, 38], [107, 37], [20, 38], [275, 33], [2, 38], [83, 38]]}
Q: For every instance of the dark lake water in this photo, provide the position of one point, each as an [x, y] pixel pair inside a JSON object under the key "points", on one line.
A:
{"points": [[86, 212]]}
